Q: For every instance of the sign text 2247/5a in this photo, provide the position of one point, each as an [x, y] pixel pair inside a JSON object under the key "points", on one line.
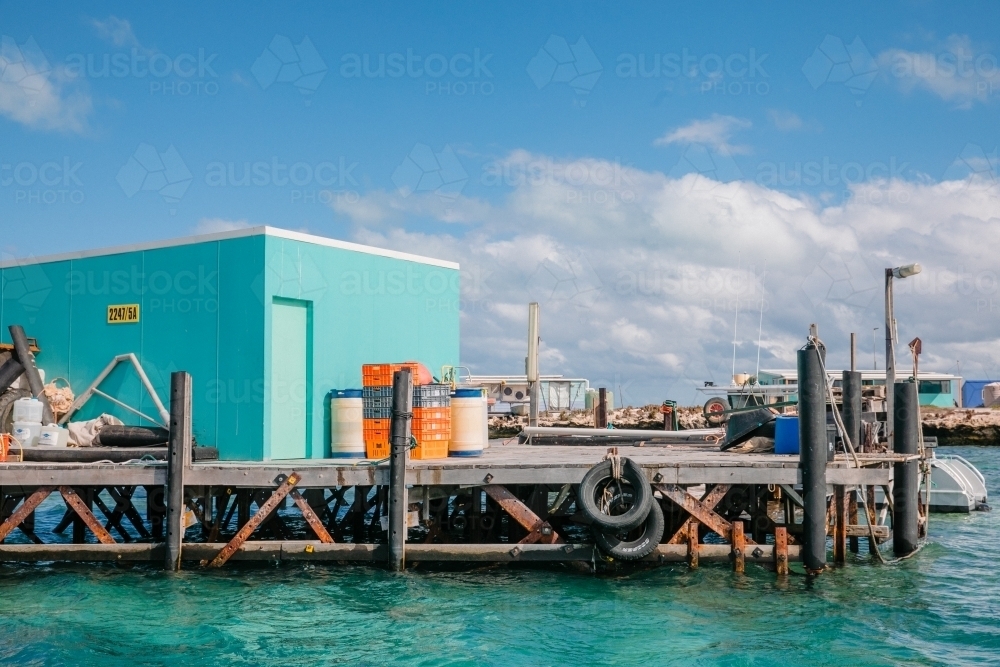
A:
{"points": [[123, 314]]}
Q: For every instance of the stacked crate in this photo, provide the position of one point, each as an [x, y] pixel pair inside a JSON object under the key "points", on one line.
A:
{"points": [[431, 421], [376, 380]]}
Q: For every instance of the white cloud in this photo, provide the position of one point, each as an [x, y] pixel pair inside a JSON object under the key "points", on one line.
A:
{"points": [[642, 291], [115, 30], [785, 120], [216, 225], [714, 132], [36, 95], [956, 71]]}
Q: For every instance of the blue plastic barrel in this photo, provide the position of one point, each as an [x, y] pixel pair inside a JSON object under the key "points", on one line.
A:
{"points": [[345, 393], [467, 393], [786, 434]]}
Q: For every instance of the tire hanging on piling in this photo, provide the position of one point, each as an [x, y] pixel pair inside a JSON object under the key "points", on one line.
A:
{"points": [[623, 546], [637, 494]]}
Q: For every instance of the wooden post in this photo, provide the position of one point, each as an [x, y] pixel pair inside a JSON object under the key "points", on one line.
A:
{"points": [[601, 412], [840, 525], [399, 441], [692, 543], [781, 550], [179, 457], [738, 546]]}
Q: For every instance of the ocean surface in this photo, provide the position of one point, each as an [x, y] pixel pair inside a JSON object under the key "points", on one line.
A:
{"points": [[940, 608]]}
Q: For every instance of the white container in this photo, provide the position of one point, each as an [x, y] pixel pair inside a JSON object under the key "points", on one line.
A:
{"points": [[469, 425], [991, 395], [53, 436], [347, 438], [28, 410], [27, 433]]}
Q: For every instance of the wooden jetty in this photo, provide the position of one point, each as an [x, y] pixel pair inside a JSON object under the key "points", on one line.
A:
{"points": [[501, 507], [516, 503]]}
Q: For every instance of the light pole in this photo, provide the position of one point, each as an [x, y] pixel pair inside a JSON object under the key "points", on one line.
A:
{"points": [[874, 350], [890, 335]]}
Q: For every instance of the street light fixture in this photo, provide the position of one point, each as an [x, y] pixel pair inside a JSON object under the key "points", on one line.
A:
{"points": [[890, 337]]}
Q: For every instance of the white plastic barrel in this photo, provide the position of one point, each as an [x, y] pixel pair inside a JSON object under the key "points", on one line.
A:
{"points": [[28, 410], [468, 423], [27, 433], [347, 438]]}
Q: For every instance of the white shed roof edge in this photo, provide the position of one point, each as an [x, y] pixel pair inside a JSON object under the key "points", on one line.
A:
{"points": [[232, 234]]}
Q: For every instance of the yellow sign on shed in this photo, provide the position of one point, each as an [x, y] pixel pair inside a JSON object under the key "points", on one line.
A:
{"points": [[124, 314]]}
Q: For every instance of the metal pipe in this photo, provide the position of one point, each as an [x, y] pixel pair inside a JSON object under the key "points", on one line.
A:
{"points": [[399, 441], [854, 351], [531, 364], [890, 358], [906, 476], [696, 434], [812, 455], [178, 459], [27, 359]]}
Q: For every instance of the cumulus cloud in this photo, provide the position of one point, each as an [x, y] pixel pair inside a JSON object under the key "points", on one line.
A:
{"points": [[714, 132], [785, 120], [37, 95], [116, 31], [956, 71], [640, 276]]}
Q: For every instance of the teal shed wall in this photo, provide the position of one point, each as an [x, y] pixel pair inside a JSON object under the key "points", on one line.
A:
{"points": [[365, 309], [206, 307]]}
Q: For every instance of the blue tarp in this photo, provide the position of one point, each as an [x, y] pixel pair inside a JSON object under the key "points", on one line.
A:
{"points": [[972, 393]]}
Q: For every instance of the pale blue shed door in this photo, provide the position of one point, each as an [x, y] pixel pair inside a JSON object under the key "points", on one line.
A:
{"points": [[291, 359]]}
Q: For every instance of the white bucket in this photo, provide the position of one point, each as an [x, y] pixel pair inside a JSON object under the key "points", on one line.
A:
{"points": [[53, 436], [28, 410], [347, 438], [27, 433], [468, 423]]}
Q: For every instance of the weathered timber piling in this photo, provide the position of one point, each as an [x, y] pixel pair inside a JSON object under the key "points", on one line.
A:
{"points": [[399, 440], [179, 458], [906, 482], [813, 455], [601, 410]]}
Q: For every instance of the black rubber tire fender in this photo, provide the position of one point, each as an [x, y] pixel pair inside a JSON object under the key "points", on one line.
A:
{"points": [[622, 548], [641, 492]]}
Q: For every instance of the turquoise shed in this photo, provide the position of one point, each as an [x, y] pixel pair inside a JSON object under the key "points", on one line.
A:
{"points": [[266, 320]]}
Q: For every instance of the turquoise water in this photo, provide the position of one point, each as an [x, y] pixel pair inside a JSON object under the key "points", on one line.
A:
{"points": [[942, 607]]}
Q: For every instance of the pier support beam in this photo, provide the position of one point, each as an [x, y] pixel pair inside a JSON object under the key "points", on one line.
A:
{"points": [[178, 459], [399, 441], [813, 455], [906, 478]]}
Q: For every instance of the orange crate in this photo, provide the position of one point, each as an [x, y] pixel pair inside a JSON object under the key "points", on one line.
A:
{"points": [[431, 414], [430, 447], [380, 375], [376, 434]]}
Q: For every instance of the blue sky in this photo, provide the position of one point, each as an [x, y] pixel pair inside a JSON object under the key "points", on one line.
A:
{"points": [[617, 163]]}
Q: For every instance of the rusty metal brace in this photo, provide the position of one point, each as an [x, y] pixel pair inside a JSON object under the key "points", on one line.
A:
{"points": [[73, 500], [22, 512], [538, 530], [699, 510]]}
